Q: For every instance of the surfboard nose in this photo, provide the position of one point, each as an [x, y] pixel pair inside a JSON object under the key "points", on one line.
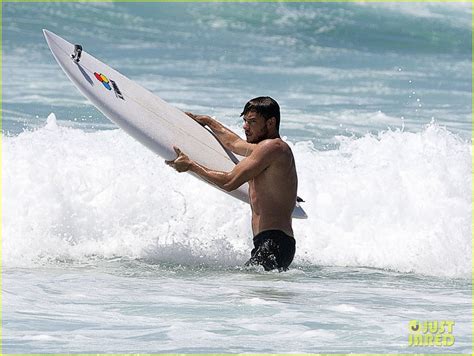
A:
{"points": [[55, 42], [47, 35], [51, 36]]}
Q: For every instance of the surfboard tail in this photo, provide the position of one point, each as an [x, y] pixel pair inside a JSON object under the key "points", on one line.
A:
{"points": [[298, 212]]}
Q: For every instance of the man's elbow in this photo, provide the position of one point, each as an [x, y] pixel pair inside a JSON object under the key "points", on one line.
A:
{"points": [[231, 145], [230, 186]]}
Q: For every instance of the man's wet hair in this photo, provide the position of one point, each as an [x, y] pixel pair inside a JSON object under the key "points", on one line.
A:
{"points": [[265, 106]]}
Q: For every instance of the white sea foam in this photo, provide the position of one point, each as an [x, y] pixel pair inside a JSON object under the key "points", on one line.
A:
{"points": [[399, 201]]}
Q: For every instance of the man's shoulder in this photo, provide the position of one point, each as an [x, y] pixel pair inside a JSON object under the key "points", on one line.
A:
{"points": [[273, 144], [273, 147]]}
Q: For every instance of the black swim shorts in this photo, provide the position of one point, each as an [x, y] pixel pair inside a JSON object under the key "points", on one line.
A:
{"points": [[273, 250]]}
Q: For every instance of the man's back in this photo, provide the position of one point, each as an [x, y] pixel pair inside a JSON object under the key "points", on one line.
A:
{"points": [[273, 192]]}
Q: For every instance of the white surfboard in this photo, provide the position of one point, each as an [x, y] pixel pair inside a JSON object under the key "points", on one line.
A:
{"points": [[143, 115]]}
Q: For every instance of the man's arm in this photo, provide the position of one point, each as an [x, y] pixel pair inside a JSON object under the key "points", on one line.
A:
{"points": [[228, 138], [244, 171]]}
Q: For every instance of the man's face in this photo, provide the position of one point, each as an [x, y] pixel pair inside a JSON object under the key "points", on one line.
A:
{"points": [[255, 127]]}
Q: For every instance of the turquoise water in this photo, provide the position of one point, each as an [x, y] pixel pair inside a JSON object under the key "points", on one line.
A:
{"points": [[136, 306], [105, 249]]}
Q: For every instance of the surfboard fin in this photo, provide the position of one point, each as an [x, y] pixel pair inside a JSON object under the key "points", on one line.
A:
{"points": [[76, 56], [299, 200]]}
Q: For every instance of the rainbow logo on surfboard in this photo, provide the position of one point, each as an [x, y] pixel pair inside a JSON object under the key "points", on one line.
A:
{"points": [[109, 84], [103, 79]]}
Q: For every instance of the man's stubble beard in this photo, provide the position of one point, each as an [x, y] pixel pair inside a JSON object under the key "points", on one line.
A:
{"points": [[261, 137]]}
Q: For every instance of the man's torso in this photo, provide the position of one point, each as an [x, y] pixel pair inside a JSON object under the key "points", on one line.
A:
{"points": [[273, 193]]}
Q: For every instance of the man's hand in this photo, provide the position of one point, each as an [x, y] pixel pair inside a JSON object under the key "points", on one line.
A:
{"points": [[182, 163], [200, 119]]}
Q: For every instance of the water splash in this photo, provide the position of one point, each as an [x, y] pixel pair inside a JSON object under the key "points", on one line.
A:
{"points": [[398, 200]]}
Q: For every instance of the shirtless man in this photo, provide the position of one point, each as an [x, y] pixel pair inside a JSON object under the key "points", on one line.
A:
{"points": [[269, 168]]}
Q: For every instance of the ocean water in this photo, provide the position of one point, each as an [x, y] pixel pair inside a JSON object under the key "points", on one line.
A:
{"points": [[105, 249]]}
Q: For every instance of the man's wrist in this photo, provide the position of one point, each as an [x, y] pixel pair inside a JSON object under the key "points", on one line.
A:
{"points": [[192, 166]]}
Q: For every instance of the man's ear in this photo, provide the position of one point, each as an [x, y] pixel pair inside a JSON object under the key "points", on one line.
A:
{"points": [[271, 122]]}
